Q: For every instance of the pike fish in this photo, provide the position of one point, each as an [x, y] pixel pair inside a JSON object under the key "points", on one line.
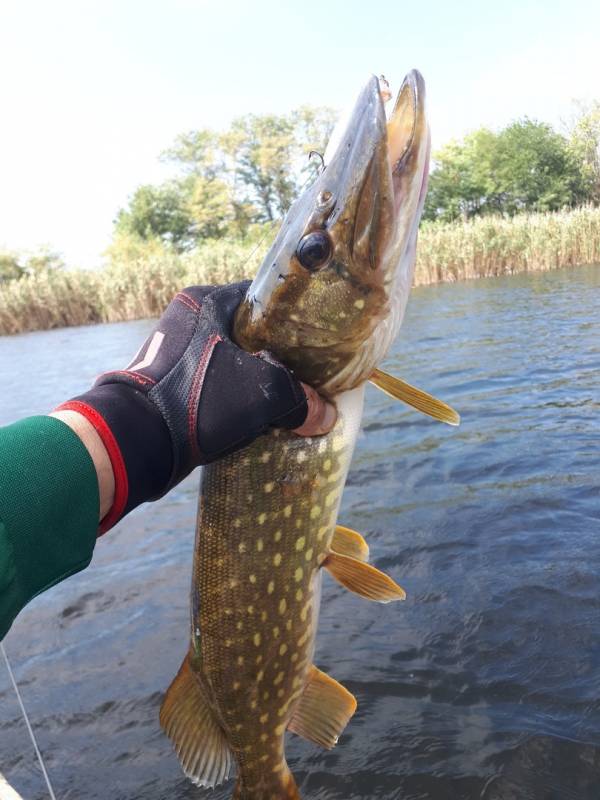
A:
{"points": [[327, 301]]}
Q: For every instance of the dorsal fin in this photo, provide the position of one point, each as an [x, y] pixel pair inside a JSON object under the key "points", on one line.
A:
{"points": [[323, 710], [417, 398]]}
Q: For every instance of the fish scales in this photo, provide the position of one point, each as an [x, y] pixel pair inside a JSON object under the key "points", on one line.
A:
{"points": [[265, 525]]}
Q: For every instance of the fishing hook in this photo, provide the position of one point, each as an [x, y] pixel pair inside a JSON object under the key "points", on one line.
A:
{"points": [[275, 222], [316, 153]]}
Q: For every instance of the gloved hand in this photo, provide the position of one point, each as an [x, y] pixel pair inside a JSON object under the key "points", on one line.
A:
{"points": [[189, 396]]}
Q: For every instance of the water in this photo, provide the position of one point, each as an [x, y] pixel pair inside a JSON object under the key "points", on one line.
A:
{"points": [[485, 683]]}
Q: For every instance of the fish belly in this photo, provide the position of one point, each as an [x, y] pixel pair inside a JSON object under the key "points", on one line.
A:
{"points": [[266, 519]]}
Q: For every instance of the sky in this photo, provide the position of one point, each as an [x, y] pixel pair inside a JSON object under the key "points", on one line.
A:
{"points": [[92, 92]]}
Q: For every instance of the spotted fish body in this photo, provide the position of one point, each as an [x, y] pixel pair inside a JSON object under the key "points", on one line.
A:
{"points": [[259, 550], [267, 515]]}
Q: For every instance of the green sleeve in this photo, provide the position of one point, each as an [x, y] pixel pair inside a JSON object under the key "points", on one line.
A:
{"points": [[48, 510]]}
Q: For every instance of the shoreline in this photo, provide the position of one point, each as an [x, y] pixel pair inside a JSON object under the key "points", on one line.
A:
{"points": [[140, 286]]}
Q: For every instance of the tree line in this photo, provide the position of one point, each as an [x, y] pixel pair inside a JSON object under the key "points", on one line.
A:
{"points": [[228, 182], [526, 166], [15, 265]]}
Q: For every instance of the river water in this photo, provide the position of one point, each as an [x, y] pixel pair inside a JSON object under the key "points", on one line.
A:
{"points": [[485, 683]]}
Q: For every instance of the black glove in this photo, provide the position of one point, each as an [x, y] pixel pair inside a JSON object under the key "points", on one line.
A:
{"points": [[188, 397]]}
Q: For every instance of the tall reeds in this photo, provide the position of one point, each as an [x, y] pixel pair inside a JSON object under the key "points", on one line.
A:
{"points": [[487, 246], [137, 284], [126, 289]]}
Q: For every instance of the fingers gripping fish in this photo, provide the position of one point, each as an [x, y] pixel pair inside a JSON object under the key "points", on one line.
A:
{"points": [[327, 301]]}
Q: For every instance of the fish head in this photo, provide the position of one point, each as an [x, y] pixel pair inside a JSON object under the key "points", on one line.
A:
{"points": [[330, 295]]}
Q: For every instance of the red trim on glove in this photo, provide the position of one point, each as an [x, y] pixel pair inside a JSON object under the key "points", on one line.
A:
{"points": [[188, 301], [196, 389], [116, 460]]}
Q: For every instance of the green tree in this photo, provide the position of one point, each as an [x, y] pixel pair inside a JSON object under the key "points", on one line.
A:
{"points": [[230, 180], [460, 185], [263, 159], [269, 156], [313, 126], [43, 260], [197, 153], [209, 185], [261, 151], [15, 265], [535, 169], [159, 212], [527, 165], [584, 142], [10, 266], [211, 208]]}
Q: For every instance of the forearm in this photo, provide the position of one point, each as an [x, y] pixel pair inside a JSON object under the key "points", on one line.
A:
{"points": [[320, 418], [49, 510], [98, 453], [192, 398]]}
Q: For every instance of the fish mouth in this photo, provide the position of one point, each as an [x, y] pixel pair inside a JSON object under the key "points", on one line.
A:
{"points": [[407, 131], [378, 175]]}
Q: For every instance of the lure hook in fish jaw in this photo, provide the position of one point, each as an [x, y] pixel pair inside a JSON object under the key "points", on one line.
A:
{"points": [[315, 154]]}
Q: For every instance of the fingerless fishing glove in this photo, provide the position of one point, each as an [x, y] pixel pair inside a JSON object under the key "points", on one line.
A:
{"points": [[189, 396]]}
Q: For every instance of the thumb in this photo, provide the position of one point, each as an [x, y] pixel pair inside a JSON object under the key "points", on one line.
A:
{"points": [[321, 415]]}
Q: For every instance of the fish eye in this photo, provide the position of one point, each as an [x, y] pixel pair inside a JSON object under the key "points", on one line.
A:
{"points": [[314, 250]]}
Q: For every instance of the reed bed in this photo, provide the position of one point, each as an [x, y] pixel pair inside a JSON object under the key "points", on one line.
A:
{"points": [[488, 246], [126, 289], [138, 284]]}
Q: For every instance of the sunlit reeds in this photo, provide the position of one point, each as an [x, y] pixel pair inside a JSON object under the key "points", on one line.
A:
{"points": [[140, 283], [487, 246], [125, 289]]}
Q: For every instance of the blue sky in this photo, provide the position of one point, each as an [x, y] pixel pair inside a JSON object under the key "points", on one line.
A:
{"points": [[91, 92]]}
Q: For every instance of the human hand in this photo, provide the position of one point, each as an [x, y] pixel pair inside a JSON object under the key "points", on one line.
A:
{"points": [[189, 397]]}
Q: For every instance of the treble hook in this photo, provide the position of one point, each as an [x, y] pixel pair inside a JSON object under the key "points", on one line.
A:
{"points": [[318, 155]]}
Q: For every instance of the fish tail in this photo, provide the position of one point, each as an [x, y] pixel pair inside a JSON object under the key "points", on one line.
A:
{"points": [[278, 785]]}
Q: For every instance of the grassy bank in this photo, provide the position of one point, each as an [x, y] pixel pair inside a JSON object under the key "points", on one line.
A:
{"points": [[139, 284]]}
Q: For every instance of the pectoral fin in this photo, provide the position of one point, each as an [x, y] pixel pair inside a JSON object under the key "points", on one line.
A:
{"points": [[363, 579], [323, 710], [349, 543], [417, 398], [188, 721]]}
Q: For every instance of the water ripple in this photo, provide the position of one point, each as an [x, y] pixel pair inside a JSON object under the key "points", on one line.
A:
{"points": [[483, 685]]}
